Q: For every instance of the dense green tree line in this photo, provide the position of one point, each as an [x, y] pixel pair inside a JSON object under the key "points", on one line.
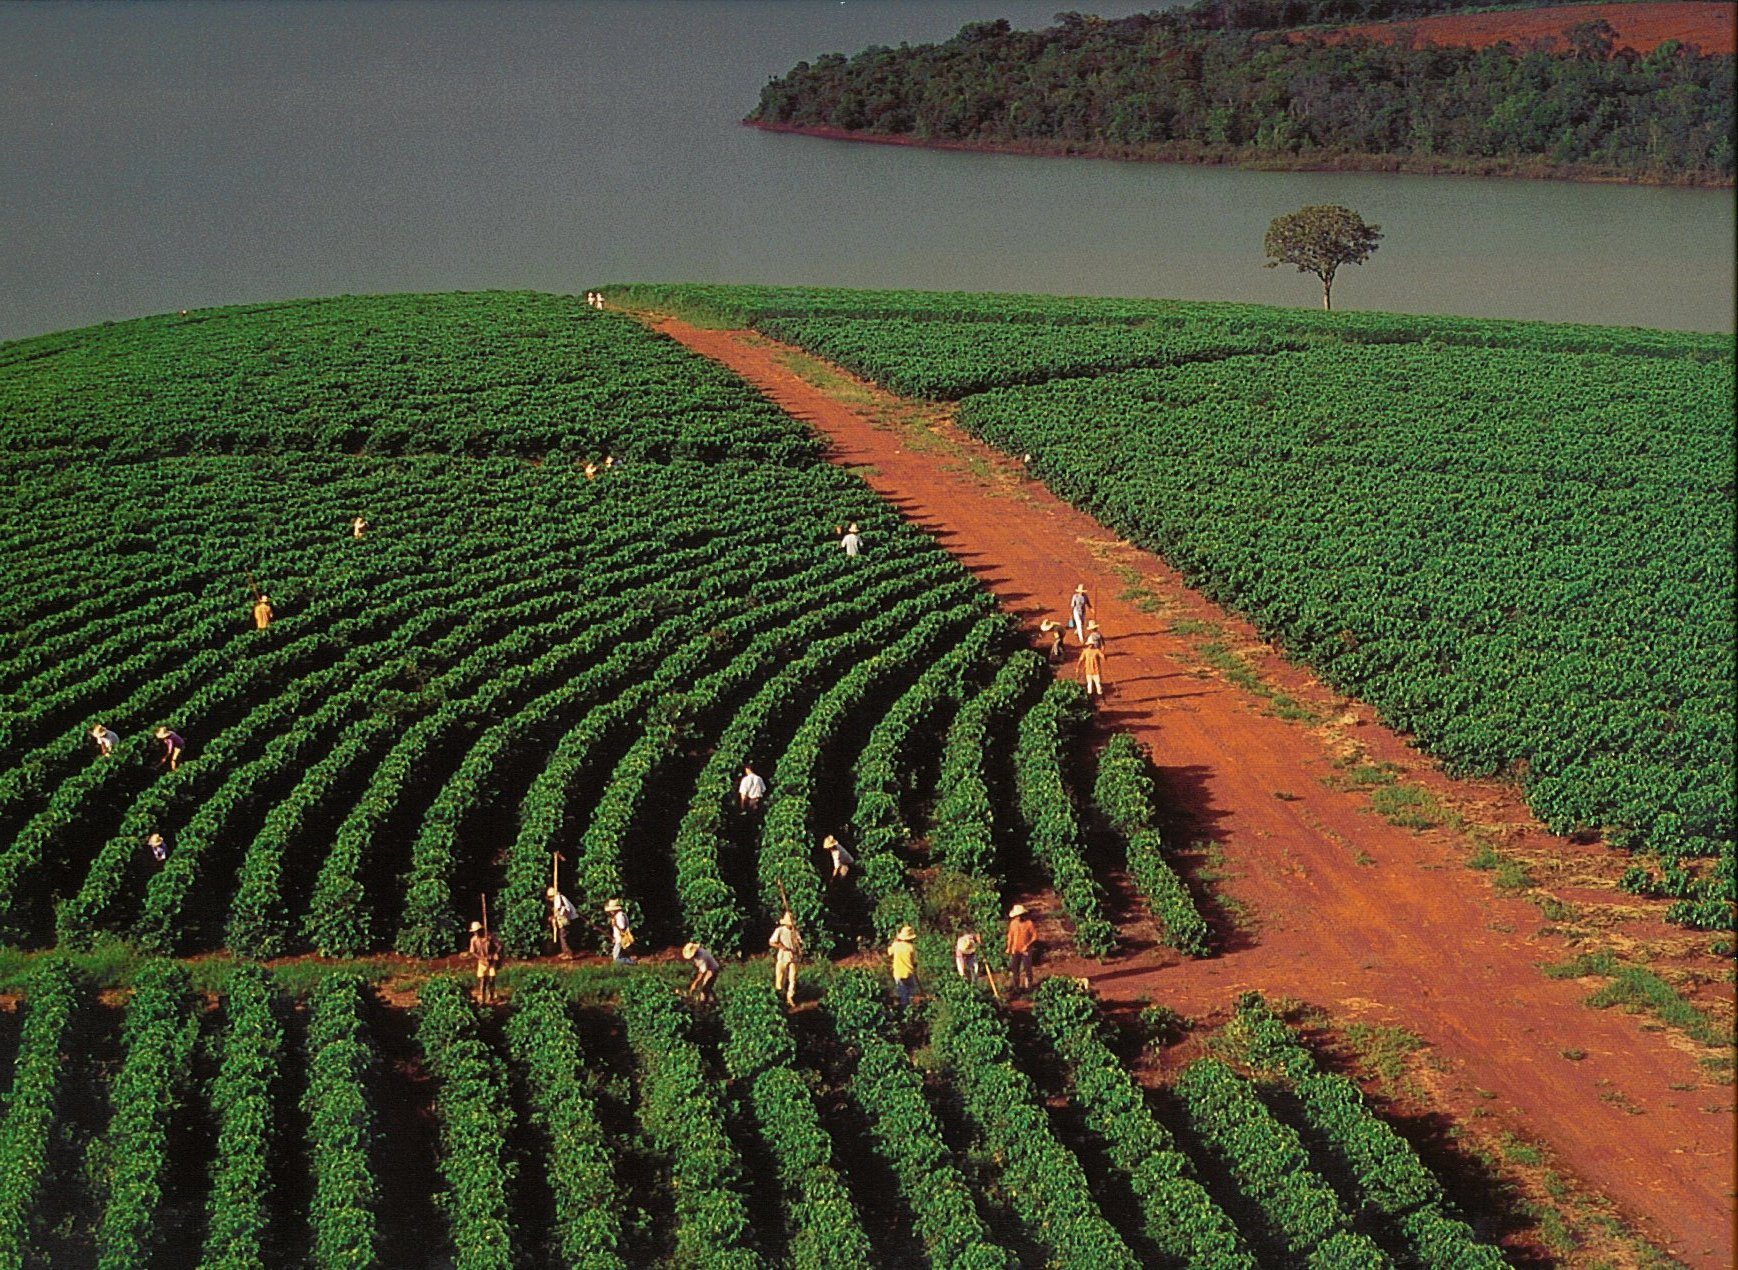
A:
{"points": [[1207, 83]]}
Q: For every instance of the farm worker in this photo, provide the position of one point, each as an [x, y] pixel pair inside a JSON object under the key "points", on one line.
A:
{"points": [[903, 954], [852, 542], [787, 946], [359, 526], [590, 470], [106, 740], [1079, 605], [1054, 629], [842, 859], [1094, 636], [172, 747], [965, 954], [609, 461], [486, 949], [750, 789], [562, 914], [262, 612], [621, 934], [159, 848], [1022, 938], [705, 970], [1092, 667]]}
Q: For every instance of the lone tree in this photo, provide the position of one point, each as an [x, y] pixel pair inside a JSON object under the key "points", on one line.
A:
{"points": [[1319, 239]]}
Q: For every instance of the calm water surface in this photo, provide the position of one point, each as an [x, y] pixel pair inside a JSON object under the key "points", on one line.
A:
{"points": [[175, 155]]}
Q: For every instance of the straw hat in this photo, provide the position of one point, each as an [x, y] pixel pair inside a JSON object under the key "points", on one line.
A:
{"points": [[1080, 588], [550, 892], [689, 949], [1092, 626], [475, 927], [612, 906], [162, 732], [1019, 910], [905, 932], [829, 842], [851, 528], [788, 919]]}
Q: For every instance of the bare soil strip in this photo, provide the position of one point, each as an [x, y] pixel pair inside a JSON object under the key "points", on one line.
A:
{"points": [[1709, 25], [1335, 905]]}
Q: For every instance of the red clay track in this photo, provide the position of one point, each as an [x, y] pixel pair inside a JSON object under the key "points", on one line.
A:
{"points": [[1346, 911], [1642, 27]]}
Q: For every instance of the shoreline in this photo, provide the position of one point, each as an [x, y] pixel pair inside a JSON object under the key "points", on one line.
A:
{"points": [[1258, 161]]}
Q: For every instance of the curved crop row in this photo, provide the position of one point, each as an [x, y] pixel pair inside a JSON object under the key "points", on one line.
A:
{"points": [[1123, 794], [1180, 1217], [342, 1123], [906, 1132], [242, 1097], [1048, 1187], [826, 1231], [1047, 807]]}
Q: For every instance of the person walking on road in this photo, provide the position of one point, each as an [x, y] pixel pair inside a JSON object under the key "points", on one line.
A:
{"points": [[787, 946], [705, 971], [852, 541], [621, 933], [965, 955], [172, 747], [1079, 605], [562, 914], [1022, 939], [1092, 670], [842, 859], [262, 612], [1094, 636], [488, 953], [105, 738], [903, 954], [750, 789]]}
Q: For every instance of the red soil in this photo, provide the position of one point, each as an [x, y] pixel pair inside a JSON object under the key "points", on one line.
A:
{"points": [[1344, 910], [1642, 27]]}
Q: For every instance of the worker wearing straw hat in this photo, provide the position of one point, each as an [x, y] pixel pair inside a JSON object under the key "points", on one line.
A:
{"points": [[705, 970], [1022, 938], [562, 914], [487, 951], [787, 946], [1079, 605], [621, 933], [903, 954]]}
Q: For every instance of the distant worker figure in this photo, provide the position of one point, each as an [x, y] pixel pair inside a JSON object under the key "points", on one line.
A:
{"points": [[359, 526], [262, 612], [750, 789], [1092, 667], [1054, 629], [609, 461], [590, 470], [172, 747], [1079, 605], [787, 946], [902, 952], [487, 950], [965, 954], [159, 848], [106, 740], [562, 914], [621, 933], [852, 542], [705, 971], [1022, 938], [1094, 636], [842, 859]]}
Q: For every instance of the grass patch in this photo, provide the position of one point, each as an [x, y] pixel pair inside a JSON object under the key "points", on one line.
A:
{"points": [[1515, 1151], [1640, 991], [1193, 628], [1384, 1049], [1512, 875], [1409, 806]]}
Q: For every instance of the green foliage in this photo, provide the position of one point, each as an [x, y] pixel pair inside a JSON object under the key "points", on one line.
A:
{"points": [[243, 1098], [1178, 1214], [1207, 83], [33, 1102], [342, 1121], [906, 1132], [476, 1116], [1319, 239], [1124, 794]]}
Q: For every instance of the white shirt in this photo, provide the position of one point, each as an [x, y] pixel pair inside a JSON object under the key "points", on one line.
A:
{"points": [[850, 542], [752, 786]]}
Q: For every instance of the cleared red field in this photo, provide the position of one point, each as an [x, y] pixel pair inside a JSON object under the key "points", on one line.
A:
{"points": [[1642, 27]]}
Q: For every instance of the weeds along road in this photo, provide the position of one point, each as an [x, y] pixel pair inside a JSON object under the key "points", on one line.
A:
{"points": [[1338, 907]]}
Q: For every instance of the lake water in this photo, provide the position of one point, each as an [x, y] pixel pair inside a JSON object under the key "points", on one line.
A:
{"points": [[179, 155]]}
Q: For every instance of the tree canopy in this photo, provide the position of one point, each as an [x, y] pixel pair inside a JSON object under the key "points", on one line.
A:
{"points": [[1319, 239]]}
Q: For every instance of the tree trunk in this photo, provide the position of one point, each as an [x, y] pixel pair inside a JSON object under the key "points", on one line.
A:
{"points": [[1327, 287]]}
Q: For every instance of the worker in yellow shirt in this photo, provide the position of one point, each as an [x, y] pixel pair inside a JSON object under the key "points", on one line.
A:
{"points": [[903, 952]]}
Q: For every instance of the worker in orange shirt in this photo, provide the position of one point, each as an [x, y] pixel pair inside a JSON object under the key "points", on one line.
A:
{"points": [[1092, 669], [1022, 939]]}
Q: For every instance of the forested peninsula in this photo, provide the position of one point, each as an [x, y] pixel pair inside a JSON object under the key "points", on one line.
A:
{"points": [[1238, 81]]}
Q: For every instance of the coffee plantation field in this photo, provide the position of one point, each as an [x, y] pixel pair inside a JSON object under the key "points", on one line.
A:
{"points": [[602, 1122], [1514, 539]]}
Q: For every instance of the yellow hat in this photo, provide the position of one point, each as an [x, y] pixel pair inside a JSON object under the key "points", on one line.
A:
{"points": [[612, 906], [905, 932], [788, 919], [1019, 910], [689, 949]]}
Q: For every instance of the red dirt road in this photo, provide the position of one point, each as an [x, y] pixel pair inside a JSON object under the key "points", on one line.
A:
{"points": [[1643, 27], [1345, 911]]}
